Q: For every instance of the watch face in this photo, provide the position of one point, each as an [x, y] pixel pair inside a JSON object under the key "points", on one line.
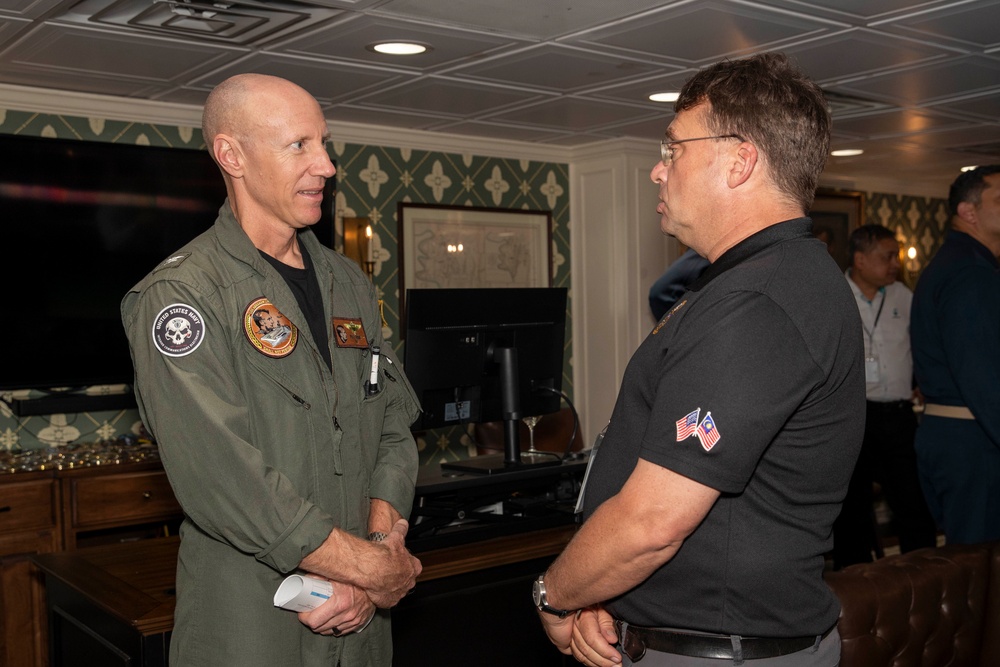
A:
{"points": [[536, 593]]}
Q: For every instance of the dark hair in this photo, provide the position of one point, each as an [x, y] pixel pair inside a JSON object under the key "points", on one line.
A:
{"points": [[772, 104], [969, 186], [866, 237]]}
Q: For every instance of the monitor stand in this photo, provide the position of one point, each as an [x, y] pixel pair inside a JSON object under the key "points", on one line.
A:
{"points": [[513, 459]]}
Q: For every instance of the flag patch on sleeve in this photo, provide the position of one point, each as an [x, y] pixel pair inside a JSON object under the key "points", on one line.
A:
{"points": [[687, 425], [708, 433]]}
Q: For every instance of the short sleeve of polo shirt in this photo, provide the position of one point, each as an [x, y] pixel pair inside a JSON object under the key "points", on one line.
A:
{"points": [[737, 360]]}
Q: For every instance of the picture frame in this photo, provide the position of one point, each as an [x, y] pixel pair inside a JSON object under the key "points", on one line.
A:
{"points": [[835, 214], [465, 246]]}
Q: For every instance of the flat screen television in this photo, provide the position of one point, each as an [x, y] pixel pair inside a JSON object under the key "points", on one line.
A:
{"points": [[482, 355], [83, 222]]}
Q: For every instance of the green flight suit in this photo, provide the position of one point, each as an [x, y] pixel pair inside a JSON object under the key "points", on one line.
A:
{"points": [[266, 453]]}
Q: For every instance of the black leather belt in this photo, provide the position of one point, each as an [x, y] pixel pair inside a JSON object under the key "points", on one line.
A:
{"points": [[636, 640], [895, 406]]}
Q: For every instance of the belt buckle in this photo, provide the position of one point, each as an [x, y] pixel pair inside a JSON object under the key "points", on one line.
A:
{"points": [[630, 643]]}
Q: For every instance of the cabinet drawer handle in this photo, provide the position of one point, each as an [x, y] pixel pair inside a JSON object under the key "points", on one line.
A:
{"points": [[5, 508], [146, 495]]}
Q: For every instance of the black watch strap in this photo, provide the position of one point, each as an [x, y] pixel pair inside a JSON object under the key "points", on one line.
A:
{"points": [[540, 598]]}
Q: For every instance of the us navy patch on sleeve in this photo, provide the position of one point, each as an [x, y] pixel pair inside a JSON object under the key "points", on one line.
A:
{"points": [[178, 330]]}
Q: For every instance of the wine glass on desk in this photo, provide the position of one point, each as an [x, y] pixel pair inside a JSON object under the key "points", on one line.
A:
{"points": [[531, 423]]}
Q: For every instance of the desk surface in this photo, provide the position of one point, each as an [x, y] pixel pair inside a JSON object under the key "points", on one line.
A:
{"points": [[134, 581], [432, 479]]}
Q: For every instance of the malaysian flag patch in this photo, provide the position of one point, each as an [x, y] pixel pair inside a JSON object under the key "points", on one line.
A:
{"points": [[707, 432], [687, 425]]}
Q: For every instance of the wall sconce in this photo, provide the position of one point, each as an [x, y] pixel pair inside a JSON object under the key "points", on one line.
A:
{"points": [[912, 266], [358, 243]]}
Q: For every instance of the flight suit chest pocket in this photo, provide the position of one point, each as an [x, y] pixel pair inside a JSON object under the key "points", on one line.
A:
{"points": [[374, 402]]}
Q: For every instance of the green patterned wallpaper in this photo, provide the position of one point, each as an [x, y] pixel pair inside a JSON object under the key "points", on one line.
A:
{"points": [[919, 222], [371, 180]]}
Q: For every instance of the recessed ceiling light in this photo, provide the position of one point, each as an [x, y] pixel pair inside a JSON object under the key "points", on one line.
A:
{"points": [[970, 167], [398, 48], [664, 97], [846, 152]]}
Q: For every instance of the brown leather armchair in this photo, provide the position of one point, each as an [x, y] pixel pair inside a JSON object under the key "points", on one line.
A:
{"points": [[927, 608], [552, 434]]}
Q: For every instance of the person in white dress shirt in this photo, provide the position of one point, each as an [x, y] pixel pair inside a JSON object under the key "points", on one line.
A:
{"points": [[887, 454]]}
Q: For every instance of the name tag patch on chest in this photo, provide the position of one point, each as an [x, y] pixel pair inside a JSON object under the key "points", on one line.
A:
{"points": [[271, 333], [350, 332], [178, 330]]}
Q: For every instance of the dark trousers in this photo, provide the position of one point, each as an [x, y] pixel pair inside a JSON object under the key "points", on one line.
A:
{"points": [[960, 471], [887, 457]]}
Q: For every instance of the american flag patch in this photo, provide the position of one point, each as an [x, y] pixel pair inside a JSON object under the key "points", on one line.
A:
{"points": [[687, 425], [707, 432]]}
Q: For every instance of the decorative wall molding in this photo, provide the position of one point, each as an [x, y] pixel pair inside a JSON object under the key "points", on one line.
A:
{"points": [[87, 105]]}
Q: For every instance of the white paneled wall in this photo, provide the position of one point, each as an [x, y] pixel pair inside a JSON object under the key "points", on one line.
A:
{"points": [[618, 251]]}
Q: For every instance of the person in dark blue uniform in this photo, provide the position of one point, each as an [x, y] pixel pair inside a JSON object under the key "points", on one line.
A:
{"points": [[711, 501], [955, 331], [674, 282]]}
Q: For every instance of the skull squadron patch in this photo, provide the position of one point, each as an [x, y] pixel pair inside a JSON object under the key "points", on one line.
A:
{"points": [[178, 330], [270, 332]]}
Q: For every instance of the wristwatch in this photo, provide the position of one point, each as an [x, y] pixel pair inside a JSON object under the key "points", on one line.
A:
{"points": [[538, 595]]}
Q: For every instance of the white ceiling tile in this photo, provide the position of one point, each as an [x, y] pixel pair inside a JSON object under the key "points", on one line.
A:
{"points": [[324, 82], [896, 123], [938, 81], [557, 68], [575, 115], [707, 31], [28, 8], [529, 18], [450, 99], [70, 52], [976, 23], [860, 51], [347, 41]]}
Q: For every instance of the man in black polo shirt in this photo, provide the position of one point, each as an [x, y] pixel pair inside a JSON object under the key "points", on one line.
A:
{"points": [[711, 501]]}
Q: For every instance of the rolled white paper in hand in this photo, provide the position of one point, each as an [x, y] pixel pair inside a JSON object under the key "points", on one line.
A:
{"points": [[300, 593]]}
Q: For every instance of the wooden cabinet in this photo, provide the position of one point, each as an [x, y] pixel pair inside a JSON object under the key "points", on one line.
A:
{"points": [[99, 508], [53, 511], [28, 526]]}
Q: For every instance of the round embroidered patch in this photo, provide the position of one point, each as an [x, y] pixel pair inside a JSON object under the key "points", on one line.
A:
{"points": [[270, 332], [178, 330]]}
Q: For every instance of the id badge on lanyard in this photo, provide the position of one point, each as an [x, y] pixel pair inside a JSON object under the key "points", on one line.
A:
{"points": [[871, 368], [586, 475], [871, 358]]}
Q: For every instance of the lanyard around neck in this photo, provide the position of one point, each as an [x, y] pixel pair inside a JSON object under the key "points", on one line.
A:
{"points": [[871, 334]]}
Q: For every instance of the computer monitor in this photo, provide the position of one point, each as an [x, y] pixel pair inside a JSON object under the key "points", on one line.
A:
{"points": [[486, 354]]}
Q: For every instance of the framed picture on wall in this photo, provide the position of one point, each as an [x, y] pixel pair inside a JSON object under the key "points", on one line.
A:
{"points": [[462, 246], [835, 214]]}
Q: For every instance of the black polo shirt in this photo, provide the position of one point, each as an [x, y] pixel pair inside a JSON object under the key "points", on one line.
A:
{"points": [[765, 356]]}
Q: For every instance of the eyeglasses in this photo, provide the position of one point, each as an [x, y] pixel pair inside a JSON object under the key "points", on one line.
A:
{"points": [[667, 153]]}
